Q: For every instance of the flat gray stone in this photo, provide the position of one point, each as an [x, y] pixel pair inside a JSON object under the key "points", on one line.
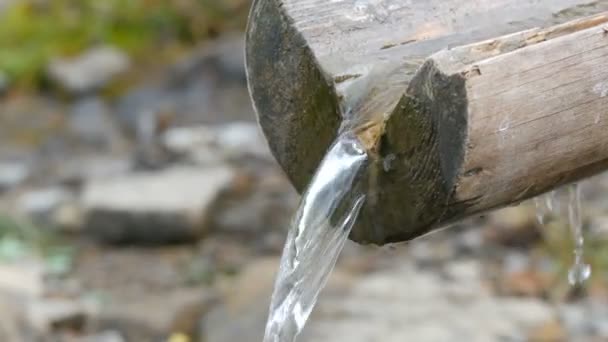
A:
{"points": [[172, 205], [13, 173], [90, 70], [48, 314]]}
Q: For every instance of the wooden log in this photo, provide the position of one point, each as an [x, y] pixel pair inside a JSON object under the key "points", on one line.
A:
{"points": [[464, 105]]}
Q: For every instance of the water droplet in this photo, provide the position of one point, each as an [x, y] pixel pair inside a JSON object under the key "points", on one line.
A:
{"points": [[579, 273], [505, 124], [388, 162]]}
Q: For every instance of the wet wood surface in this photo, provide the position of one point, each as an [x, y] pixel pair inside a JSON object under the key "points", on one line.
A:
{"points": [[440, 147]]}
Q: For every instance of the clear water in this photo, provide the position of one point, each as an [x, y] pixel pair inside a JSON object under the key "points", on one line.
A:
{"points": [[316, 237], [542, 210], [549, 204], [580, 271], [546, 206]]}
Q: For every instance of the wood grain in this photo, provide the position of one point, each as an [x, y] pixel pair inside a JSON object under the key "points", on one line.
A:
{"points": [[475, 103], [538, 117]]}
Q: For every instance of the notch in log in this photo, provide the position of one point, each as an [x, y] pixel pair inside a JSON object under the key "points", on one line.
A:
{"points": [[464, 107]]}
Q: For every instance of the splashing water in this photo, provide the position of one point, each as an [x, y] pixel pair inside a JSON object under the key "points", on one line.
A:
{"points": [[318, 233], [580, 271]]}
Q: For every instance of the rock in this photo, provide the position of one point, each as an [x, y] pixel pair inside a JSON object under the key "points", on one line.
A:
{"points": [[182, 140], [464, 271], [526, 283], [207, 144], [144, 101], [173, 205], [207, 87], [149, 152], [262, 211], [90, 123], [404, 303], [513, 227], [89, 71], [158, 315], [242, 313], [598, 227], [48, 315], [68, 217], [24, 279], [231, 54], [469, 241], [600, 327], [526, 313], [12, 174], [520, 277], [41, 204], [515, 262], [421, 251], [187, 319], [81, 169], [225, 54], [549, 332], [585, 318], [258, 206], [104, 336], [575, 319], [517, 217], [432, 253], [179, 337], [243, 139]]}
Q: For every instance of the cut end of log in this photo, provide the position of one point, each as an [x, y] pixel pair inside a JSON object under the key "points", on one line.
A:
{"points": [[290, 89], [451, 132]]}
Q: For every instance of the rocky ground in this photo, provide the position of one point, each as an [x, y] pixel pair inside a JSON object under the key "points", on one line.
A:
{"points": [[159, 215]]}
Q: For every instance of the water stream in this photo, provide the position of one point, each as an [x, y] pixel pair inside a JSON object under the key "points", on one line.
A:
{"points": [[323, 222], [316, 237], [580, 271], [549, 204]]}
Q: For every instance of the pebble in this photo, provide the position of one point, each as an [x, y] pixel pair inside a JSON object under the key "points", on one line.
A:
{"points": [[40, 204], [12, 174], [51, 314], [25, 279], [89, 121], [89, 71]]}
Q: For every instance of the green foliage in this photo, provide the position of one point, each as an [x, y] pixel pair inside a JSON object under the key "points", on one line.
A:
{"points": [[20, 240], [34, 31]]}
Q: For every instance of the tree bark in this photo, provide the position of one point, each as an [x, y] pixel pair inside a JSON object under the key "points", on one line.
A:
{"points": [[464, 105]]}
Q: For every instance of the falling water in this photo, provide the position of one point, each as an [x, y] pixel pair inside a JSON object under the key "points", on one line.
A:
{"points": [[318, 233], [580, 271], [542, 210], [549, 204], [546, 205]]}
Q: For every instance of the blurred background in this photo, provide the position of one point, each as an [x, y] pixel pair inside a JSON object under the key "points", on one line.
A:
{"points": [[139, 202]]}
